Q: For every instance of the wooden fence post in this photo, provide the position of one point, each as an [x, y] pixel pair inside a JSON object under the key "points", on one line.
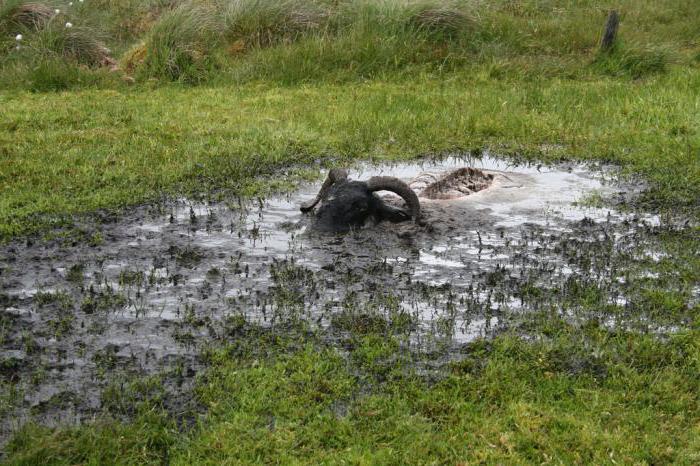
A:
{"points": [[610, 33]]}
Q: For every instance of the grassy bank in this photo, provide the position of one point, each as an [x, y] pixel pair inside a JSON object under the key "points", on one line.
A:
{"points": [[299, 81], [67, 153], [293, 41]]}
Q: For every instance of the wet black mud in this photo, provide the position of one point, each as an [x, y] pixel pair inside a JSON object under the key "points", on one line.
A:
{"points": [[164, 282]]}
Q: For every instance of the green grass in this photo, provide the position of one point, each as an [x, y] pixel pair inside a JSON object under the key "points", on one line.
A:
{"points": [[296, 86], [179, 45], [584, 396], [260, 23], [76, 152], [287, 41]]}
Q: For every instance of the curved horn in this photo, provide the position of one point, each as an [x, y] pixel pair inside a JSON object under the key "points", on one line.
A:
{"points": [[334, 175], [395, 185]]}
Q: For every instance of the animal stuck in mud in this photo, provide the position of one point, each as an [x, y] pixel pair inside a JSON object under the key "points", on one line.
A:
{"points": [[347, 204]]}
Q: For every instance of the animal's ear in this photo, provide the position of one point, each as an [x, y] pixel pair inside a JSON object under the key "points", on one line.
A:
{"points": [[335, 175]]}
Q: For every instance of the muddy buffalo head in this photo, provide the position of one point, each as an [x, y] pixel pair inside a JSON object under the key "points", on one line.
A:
{"points": [[347, 204]]}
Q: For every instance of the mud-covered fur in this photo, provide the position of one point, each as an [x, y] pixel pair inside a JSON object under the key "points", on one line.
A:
{"points": [[350, 204], [451, 185]]}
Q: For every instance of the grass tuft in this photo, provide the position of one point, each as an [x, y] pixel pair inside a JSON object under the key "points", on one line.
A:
{"points": [[261, 23], [635, 62], [18, 16], [52, 53], [180, 46], [79, 43], [441, 21]]}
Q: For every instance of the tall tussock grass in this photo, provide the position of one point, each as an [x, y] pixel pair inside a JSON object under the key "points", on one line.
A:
{"points": [[42, 49], [262, 23], [181, 45], [125, 21], [79, 43], [17, 16], [442, 21], [41, 29], [193, 41], [185, 44], [366, 39]]}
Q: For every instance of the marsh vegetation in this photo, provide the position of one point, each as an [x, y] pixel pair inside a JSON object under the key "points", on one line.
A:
{"points": [[162, 300]]}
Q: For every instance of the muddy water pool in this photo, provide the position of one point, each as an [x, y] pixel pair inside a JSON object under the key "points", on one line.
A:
{"points": [[166, 280]]}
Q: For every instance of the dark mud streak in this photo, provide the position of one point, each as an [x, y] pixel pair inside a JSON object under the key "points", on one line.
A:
{"points": [[167, 283]]}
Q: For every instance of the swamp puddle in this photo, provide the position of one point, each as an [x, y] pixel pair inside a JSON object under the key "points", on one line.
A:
{"points": [[166, 281]]}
